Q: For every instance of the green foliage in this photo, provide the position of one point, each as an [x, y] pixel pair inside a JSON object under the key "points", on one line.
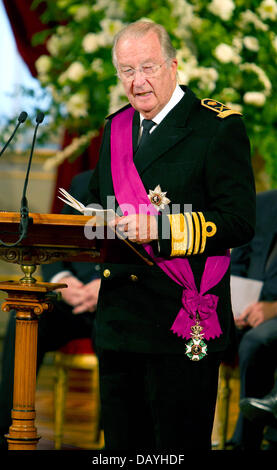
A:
{"points": [[227, 50]]}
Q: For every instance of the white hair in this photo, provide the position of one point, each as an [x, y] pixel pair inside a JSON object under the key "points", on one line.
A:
{"points": [[139, 29]]}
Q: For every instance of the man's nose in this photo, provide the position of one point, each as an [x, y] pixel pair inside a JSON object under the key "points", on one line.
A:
{"points": [[139, 78]]}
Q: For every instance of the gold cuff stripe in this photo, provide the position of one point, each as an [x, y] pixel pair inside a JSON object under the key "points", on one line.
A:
{"points": [[196, 232], [189, 232], [179, 233]]}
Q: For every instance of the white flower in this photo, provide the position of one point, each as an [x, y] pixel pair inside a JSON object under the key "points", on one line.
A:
{"points": [[57, 43], [53, 45], [187, 65], [62, 78], [222, 8], [77, 105], [112, 8], [229, 95], [56, 93], [255, 98], [184, 13], [76, 72], [63, 3], [117, 97], [268, 10], [226, 54], [196, 24], [237, 43], [207, 77], [65, 35], [81, 13], [43, 64], [90, 42], [104, 38], [234, 106], [44, 78], [111, 27], [249, 17], [262, 77], [97, 66], [251, 43], [182, 8]]}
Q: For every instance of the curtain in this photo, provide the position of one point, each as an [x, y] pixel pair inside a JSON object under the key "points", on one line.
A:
{"points": [[24, 23]]}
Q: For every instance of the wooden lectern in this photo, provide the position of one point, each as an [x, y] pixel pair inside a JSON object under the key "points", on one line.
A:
{"points": [[51, 237]]}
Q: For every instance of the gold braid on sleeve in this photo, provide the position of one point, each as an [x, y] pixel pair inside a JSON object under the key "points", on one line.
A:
{"points": [[189, 232]]}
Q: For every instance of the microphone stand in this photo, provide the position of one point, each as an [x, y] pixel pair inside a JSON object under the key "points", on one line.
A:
{"points": [[21, 118], [24, 211]]}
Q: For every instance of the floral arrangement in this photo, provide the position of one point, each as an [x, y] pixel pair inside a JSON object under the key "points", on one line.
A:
{"points": [[227, 51]]}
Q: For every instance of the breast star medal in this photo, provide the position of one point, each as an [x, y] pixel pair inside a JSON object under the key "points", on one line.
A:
{"points": [[158, 198], [196, 348]]}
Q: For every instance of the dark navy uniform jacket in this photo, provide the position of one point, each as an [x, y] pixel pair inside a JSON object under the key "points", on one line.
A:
{"points": [[200, 155]]}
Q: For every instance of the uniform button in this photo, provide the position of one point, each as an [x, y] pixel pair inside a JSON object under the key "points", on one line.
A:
{"points": [[134, 278], [106, 273]]}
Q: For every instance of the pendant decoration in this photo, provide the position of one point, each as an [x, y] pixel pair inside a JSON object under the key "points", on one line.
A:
{"points": [[196, 348], [158, 198]]}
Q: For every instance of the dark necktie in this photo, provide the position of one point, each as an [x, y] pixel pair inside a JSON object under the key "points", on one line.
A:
{"points": [[147, 125]]}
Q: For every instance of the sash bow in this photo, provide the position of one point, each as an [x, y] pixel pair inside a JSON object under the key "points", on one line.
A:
{"points": [[205, 306], [194, 302]]}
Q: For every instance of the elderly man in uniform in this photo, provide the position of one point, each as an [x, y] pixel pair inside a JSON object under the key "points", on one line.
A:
{"points": [[179, 169]]}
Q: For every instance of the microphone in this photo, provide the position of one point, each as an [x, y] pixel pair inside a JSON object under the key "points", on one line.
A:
{"points": [[24, 211], [21, 118]]}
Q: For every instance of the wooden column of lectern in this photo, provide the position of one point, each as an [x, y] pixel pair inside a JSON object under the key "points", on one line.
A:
{"points": [[50, 238]]}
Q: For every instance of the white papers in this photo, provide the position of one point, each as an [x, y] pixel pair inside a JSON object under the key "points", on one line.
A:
{"points": [[99, 217], [71, 201], [244, 292], [101, 214]]}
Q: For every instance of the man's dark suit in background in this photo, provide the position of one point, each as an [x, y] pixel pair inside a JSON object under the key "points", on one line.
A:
{"points": [[258, 345], [55, 328]]}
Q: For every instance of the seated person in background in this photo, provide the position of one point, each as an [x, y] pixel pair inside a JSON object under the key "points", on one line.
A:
{"points": [[257, 325], [263, 409], [71, 318]]}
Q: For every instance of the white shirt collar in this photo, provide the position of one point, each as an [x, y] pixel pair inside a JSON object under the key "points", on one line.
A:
{"points": [[176, 96]]}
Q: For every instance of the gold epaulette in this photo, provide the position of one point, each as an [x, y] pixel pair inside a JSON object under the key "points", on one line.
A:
{"points": [[189, 232], [222, 110]]}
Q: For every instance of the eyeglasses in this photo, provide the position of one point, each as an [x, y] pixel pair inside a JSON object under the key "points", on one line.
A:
{"points": [[148, 70]]}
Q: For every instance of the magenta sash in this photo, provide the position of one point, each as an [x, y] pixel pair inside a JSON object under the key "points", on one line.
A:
{"points": [[132, 196]]}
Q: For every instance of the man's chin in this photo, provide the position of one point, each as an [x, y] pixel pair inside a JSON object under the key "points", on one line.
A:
{"points": [[144, 103], [145, 110]]}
